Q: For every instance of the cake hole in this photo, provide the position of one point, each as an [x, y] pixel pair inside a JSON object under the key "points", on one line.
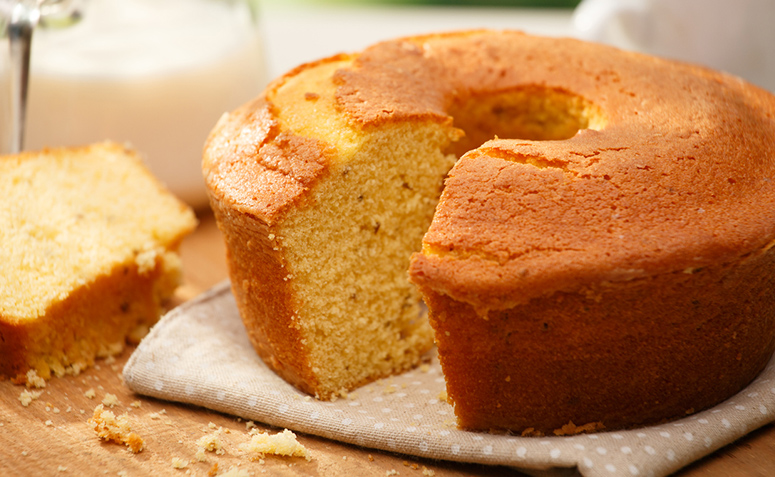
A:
{"points": [[533, 113]]}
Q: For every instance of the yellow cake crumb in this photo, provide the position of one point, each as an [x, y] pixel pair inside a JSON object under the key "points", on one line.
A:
{"points": [[200, 455], [116, 429], [110, 400], [283, 444], [211, 442], [178, 463], [35, 381], [235, 471], [89, 393], [26, 397]]}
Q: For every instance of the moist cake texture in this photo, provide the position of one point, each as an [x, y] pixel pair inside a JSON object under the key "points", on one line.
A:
{"points": [[88, 257]]}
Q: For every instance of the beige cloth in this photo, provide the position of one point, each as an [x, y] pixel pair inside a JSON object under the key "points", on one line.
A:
{"points": [[199, 353]]}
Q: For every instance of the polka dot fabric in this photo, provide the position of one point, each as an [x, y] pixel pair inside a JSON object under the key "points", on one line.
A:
{"points": [[199, 353]]}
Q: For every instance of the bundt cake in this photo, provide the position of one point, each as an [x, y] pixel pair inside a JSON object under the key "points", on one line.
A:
{"points": [[601, 256], [88, 257]]}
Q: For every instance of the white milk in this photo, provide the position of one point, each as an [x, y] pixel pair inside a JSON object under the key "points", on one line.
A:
{"points": [[154, 73]]}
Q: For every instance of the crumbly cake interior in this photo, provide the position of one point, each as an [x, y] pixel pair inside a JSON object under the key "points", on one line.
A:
{"points": [[88, 255], [348, 249], [347, 256]]}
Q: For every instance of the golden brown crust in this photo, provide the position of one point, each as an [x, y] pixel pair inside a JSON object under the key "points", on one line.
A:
{"points": [[257, 269], [257, 168], [622, 355]]}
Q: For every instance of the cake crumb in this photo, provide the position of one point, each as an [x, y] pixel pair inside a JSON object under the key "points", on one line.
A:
{"points": [[211, 442], [116, 429], [283, 444], [428, 472], [89, 393], [571, 429], [443, 396], [136, 404], [392, 472], [178, 463], [200, 455], [235, 471], [50, 423], [35, 381], [110, 400], [61, 468], [26, 397]]}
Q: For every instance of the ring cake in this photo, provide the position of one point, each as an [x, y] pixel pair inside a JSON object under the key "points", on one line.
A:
{"points": [[601, 256]]}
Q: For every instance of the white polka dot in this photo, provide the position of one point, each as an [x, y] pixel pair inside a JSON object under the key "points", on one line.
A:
{"points": [[455, 449], [617, 436], [650, 450], [740, 407], [478, 438], [708, 441], [593, 436], [641, 435], [355, 403], [423, 446], [555, 453], [347, 421], [670, 455], [664, 434], [602, 450], [314, 415], [401, 395], [762, 409], [444, 433], [702, 421], [588, 462], [409, 405], [752, 395], [772, 390], [626, 450], [158, 385], [220, 396], [487, 450], [688, 436], [610, 468], [417, 416], [379, 425], [283, 409], [726, 423], [378, 399], [391, 443], [521, 452], [410, 429], [424, 391], [190, 391], [579, 446], [633, 470], [443, 412], [387, 410]]}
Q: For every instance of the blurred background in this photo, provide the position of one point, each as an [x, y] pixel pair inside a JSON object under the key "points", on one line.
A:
{"points": [[158, 74]]}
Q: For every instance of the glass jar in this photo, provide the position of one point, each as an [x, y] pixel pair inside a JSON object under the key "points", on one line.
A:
{"points": [[155, 74]]}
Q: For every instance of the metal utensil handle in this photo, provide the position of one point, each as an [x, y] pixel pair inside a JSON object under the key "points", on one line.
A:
{"points": [[24, 18]]}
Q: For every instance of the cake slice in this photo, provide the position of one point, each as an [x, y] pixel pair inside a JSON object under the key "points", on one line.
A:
{"points": [[88, 256]]}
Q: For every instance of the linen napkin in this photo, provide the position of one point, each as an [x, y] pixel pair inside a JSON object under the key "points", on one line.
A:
{"points": [[199, 353]]}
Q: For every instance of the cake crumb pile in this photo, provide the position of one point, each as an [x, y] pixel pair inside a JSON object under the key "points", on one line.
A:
{"points": [[116, 429]]}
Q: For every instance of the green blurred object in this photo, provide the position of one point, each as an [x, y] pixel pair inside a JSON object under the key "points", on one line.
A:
{"points": [[468, 3]]}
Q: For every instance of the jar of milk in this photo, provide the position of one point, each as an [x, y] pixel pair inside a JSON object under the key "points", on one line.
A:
{"points": [[156, 74]]}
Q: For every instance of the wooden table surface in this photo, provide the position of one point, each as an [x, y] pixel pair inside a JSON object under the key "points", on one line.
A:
{"points": [[51, 435]]}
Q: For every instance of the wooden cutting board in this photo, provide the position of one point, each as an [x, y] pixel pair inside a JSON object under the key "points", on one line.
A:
{"points": [[51, 436]]}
